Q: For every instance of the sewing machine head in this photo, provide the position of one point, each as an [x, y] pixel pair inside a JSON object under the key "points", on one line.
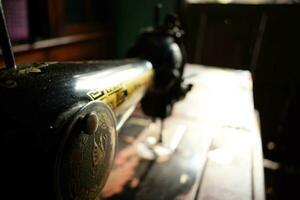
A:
{"points": [[163, 47]]}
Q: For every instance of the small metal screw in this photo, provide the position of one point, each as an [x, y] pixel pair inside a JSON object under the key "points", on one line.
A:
{"points": [[92, 123]]}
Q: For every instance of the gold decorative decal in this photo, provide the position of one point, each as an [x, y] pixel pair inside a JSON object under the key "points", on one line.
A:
{"points": [[29, 70], [117, 94]]}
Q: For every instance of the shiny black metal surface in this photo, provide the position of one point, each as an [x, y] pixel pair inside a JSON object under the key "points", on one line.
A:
{"points": [[56, 87], [37, 105]]}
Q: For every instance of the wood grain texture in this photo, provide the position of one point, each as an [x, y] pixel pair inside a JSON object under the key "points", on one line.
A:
{"points": [[70, 48], [219, 157]]}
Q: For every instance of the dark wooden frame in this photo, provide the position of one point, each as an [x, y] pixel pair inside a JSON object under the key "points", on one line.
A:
{"points": [[59, 27]]}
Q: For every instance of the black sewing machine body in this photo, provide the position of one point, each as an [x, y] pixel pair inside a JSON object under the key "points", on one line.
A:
{"points": [[60, 120], [49, 100]]}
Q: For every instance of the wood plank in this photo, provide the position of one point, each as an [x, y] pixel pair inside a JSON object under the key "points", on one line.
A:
{"points": [[215, 159], [70, 48]]}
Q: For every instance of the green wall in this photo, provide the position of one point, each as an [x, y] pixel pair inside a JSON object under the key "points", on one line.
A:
{"points": [[132, 16]]}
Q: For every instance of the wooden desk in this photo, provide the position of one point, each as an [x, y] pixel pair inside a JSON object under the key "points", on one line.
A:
{"points": [[219, 157]]}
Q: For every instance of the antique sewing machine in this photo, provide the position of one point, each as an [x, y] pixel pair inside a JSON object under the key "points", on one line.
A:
{"points": [[118, 129], [60, 120]]}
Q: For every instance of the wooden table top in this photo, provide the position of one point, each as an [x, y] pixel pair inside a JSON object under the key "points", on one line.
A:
{"points": [[219, 156]]}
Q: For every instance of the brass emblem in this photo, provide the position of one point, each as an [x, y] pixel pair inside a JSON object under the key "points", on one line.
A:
{"points": [[87, 158]]}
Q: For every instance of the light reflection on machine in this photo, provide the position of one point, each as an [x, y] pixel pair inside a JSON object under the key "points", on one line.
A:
{"points": [[62, 117]]}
